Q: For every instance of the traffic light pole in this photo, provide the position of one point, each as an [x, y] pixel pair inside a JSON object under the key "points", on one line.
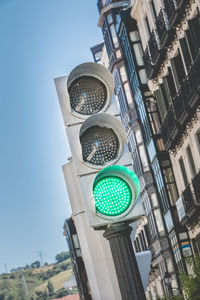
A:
{"points": [[126, 267]]}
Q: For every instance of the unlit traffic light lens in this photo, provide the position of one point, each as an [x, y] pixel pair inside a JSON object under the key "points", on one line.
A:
{"points": [[88, 95], [112, 195], [99, 145]]}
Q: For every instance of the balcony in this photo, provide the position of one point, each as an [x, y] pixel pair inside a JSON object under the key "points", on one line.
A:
{"points": [[191, 84], [161, 37], [147, 62], [169, 128], [196, 187], [180, 108], [153, 46], [185, 104], [171, 10], [162, 26], [188, 202], [175, 10]]}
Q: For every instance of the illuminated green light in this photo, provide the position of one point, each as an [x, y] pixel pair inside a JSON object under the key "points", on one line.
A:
{"points": [[112, 195]]}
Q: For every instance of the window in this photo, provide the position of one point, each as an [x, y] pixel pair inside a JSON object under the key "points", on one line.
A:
{"points": [[184, 174], [128, 93], [114, 36], [143, 76], [98, 56], [138, 136], [159, 221], [169, 265], [193, 35], [186, 53], [123, 74], [191, 161], [109, 19], [138, 54], [178, 69], [143, 239], [151, 225], [196, 244], [143, 158], [118, 54], [76, 245], [134, 36], [170, 181], [154, 199], [161, 104], [197, 135], [170, 81], [147, 26], [153, 9]]}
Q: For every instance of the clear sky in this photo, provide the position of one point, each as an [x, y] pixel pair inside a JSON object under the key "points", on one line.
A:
{"points": [[40, 40]]}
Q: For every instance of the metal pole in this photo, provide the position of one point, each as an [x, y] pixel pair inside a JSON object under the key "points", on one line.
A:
{"points": [[126, 267]]}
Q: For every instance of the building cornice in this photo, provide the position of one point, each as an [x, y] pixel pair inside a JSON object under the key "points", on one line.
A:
{"points": [[108, 8]]}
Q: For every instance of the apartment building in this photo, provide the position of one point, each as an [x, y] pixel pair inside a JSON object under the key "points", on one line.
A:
{"points": [[125, 36]]}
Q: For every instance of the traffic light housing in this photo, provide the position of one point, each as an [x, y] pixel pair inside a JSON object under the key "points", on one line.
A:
{"points": [[97, 140]]}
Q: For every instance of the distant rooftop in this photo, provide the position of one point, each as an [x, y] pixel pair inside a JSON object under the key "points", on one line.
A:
{"points": [[70, 297]]}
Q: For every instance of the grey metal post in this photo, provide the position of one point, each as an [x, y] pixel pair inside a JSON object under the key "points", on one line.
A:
{"points": [[126, 267]]}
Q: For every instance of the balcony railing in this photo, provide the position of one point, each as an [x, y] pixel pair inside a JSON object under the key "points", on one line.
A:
{"points": [[147, 60], [181, 111], [153, 46], [196, 186], [185, 104], [170, 7], [188, 201], [162, 24], [191, 84], [169, 128]]}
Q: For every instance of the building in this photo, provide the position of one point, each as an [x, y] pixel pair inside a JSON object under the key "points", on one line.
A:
{"points": [[173, 68], [127, 29], [77, 261]]}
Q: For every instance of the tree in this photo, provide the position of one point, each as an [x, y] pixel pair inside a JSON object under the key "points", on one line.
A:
{"points": [[11, 297], [27, 267], [62, 256], [191, 282], [35, 264], [50, 287]]}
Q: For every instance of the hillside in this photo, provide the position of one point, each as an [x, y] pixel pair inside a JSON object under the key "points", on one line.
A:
{"points": [[37, 283]]}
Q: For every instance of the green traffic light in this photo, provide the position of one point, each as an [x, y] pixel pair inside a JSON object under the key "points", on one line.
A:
{"points": [[115, 190], [112, 196]]}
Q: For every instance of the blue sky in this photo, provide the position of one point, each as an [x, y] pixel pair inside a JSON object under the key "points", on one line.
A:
{"points": [[40, 40]]}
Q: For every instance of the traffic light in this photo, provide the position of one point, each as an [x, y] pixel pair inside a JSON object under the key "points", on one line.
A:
{"points": [[97, 139]]}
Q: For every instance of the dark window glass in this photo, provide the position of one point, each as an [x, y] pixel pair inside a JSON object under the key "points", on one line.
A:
{"points": [[178, 69], [165, 94], [147, 26], [183, 171], [186, 53], [138, 245], [144, 241], [153, 9], [170, 81], [191, 161], [198, 139], [161, 103], [193, 35]]}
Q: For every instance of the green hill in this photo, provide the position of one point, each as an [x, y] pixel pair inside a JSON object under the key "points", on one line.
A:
{"points": [[36, 283]]}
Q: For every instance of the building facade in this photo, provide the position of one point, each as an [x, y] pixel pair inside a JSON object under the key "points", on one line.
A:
{"points": [[77, 260], [171, 41], [138, 36]]}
